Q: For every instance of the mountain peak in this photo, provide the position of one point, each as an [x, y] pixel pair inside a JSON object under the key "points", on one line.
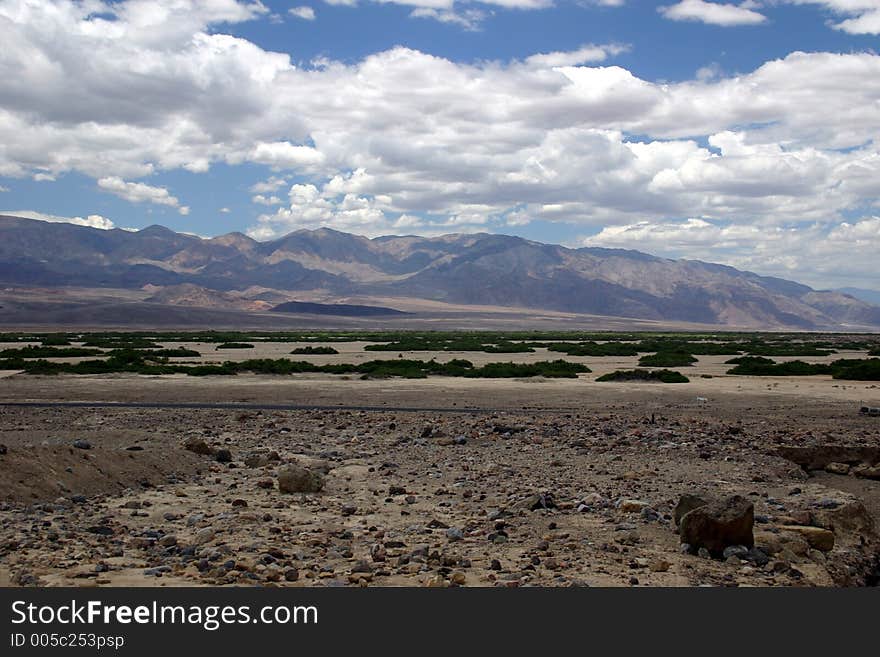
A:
{"points": [[478, 270]]}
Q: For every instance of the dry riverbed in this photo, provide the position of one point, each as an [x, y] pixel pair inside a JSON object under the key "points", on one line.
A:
{"points": [[560, 484]]}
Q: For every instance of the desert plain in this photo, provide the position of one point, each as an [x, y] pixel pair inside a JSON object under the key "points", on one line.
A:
{"points": [[136, 480]]}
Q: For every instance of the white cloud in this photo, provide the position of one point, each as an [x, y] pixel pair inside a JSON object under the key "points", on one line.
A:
{"points": [[92, 220], [402, 135], [225, 210], [862, 16], [469, 19], [713, 13], [266, 200], [584, 55], [822, 255], [305, 12], [3, 189], [272, 184], [136, 192]]}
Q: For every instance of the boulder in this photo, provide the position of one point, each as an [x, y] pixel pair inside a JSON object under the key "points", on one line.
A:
{"points": [[686, 504], [717, 525], [297, 479], [197, 446], [818, 538]]}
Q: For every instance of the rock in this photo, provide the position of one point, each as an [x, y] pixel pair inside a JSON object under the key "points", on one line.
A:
{"points": [[101, 530], [3, 450], [458, 578], [820, 456], [686, 504], [82, 444], [818, 538], [348, 509], [867, 472], [204, 535], [738, 551], [297, 479], [239, 503], [718, 525], [535, 502], [632, 506], [223, 456], [197, 446], [837, 468], [454, 534], [659, 565], [849, 520]]}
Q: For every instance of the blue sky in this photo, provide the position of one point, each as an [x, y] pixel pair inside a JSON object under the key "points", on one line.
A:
{"points": [[736, 132]]}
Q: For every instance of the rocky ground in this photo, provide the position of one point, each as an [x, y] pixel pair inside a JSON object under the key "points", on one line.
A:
{"points": [[163, 497]]}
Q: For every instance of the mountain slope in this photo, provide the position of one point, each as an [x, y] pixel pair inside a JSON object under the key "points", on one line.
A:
{"points": [[479, 270]]}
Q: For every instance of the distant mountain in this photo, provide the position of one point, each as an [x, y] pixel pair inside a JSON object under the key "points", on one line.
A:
{"points": [[232, 271], [868, 296]]}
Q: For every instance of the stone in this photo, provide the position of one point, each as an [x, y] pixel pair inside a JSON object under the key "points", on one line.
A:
{"points": [[223, 456], [818, 538], [82, 444], [454, 534], [659, 565], [535, 502], [197, 446], [204, 535], [866, 472], [297, 479], [632, 506], [718, 525], [348, 509], [738, 551], [837, 468], [686, 504]]}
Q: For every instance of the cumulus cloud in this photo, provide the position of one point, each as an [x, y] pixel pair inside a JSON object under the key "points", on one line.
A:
{"points": [[584, 55], [861, 16], [713, 13], [824, 255], [469, 19], [136, 192], [402, 136], [305, 12], [92, 220], [3, 189]]}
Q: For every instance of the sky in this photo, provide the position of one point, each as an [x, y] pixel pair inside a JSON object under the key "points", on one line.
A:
{"points": [[745, 133]]}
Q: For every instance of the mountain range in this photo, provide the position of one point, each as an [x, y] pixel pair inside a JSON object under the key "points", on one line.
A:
{"points": [[329, 267]]}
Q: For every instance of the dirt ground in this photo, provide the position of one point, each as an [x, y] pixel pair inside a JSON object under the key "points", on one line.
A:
{"points": [[506, 483]]}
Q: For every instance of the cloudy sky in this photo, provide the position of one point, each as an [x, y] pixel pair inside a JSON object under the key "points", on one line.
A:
{"points": [[746, 132]]}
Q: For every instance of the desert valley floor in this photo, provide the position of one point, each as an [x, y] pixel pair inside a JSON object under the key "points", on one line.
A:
{"points": [[433, 482]]}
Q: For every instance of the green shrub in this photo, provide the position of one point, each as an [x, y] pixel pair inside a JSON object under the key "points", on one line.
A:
{"points": [[49, 352], [668, 359], [594, 349], [791, 368], [750, 360], [661, 376], [233, 345], [314, 350], [856, 369]]}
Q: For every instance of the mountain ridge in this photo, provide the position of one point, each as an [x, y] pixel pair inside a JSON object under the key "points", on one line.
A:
{"points": [[481, 269]]}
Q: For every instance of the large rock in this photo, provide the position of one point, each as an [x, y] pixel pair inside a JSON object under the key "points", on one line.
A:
{"points": [[717, 525], [297, 479], [818, 457], [198, 446], [818, 538], [686, 504]]}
